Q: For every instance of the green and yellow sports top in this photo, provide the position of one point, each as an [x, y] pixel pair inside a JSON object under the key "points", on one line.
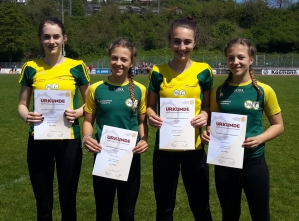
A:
{"points": [[69, 75], [244, 99], [189, 84], [112, 105]]}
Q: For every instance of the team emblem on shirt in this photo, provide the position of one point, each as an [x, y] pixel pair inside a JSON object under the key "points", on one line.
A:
{"points": [[252, 104], [179, 92], [129, 102], [52, 87]]}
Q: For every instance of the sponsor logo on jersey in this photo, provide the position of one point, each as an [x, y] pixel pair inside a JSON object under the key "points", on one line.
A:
{"points": [[179, 92], [225, 102], [252, 104], [239, 91], [119, 89], [104, 101], [129, 102], [52, 87], [167, 86], [38, 80]]}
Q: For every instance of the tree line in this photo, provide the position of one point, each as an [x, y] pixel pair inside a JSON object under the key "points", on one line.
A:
{"points": [[273, 28]]}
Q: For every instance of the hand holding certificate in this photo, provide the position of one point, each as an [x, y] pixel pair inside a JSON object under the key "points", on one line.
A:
{"points": [[176, 132], [52, 104], [226, 138], [114, 161]]}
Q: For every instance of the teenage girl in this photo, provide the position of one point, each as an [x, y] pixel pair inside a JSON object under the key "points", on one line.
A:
{"points": [[54, 72], [118, 101], [242, 94], [193, 80]]}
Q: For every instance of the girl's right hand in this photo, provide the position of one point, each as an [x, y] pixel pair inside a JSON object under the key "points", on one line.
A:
{"points": [[155, 121], [205, 137], [92, 145], [34, 117]]}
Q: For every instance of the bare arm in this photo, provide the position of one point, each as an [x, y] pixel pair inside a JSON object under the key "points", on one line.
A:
{"points": [[154, 120], [23, 107], [273, 131], [91, 144], [142, 145], [71, 115], [202, 119]]}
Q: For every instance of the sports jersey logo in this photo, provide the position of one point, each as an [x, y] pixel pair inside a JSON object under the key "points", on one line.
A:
{"points": [[252, 104], [179, 92], [239, 91], [129, 102], [52, 87], [119, 89], [256, 105], [168, 86], [248, 104], [225, 102], [104, 101]]}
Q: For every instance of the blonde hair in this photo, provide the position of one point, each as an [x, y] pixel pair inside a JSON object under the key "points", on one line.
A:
{"points": [[251, 52], [125, 43]]}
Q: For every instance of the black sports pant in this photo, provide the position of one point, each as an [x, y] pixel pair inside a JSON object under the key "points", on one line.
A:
{"points": [[127, 194], [42, 157], [254, 179], [195, 174]]}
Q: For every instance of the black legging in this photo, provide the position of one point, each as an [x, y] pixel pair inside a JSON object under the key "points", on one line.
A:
{"points": [[42, 157], [195, 174], [127, 194], [254, 179]]}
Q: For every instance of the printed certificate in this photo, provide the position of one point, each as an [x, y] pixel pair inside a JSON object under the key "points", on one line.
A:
{"points": [[176, 132], [114, 161], [226, 138], [52, 104]]}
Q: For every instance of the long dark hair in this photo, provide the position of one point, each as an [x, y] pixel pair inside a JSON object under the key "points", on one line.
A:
{"points": [[52, 21], [186, 22]]}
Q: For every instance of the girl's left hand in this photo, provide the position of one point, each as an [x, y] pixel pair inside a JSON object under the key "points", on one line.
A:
{"points": [[251, 143], [199, 121], [70, 115], [141, 147]]}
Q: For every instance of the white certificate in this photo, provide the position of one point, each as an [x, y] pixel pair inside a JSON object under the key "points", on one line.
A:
{"points": [[52, 105], [176, 132], [114, 161], [226, 138]]}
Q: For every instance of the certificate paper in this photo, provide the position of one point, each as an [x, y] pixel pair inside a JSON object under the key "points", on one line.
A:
{"points": [[52, 105], [114, 161], [226, 138], [176, 132]]}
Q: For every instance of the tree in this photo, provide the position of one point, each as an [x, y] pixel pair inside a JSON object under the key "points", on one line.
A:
{"points": [[13, 29]]}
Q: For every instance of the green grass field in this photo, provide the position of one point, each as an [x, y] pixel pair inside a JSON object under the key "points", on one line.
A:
{"points": [[16, 197]]}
